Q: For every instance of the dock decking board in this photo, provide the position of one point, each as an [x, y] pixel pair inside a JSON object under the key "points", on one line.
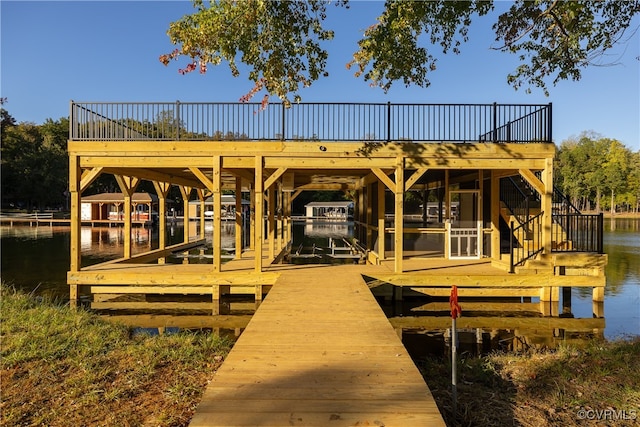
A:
{"points": [[319, 351]]}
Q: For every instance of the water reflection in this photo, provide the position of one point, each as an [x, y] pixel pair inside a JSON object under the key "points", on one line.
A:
{"points": [[512, 324], [38, 258]]}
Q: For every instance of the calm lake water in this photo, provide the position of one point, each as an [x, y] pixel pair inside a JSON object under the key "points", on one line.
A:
{"points": [[37, 259]]}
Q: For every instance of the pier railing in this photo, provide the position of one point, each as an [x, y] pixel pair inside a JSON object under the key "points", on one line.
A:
{"points": [[376, 122]]}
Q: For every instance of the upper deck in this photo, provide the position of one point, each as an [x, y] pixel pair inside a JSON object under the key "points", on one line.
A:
{"points": [[362, 122]]}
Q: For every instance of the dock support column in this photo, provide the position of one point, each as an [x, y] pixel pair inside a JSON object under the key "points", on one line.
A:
{"points": [[259, 214], [495, 216], [238, 226], [252, 216], [399, 215], [186, 192], [202, 198], [546, 205], [128, 186], [75, 203], [369, 215], [217, 214], [288, 201], [279, 210], [381, 223], [162, 189], [271, 204]]}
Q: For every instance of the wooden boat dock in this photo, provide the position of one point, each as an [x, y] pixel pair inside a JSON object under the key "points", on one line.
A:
{"points": [[318, 352]]}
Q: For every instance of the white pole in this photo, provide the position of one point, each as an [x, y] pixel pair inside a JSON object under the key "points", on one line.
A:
{"points": [[454, 369]]}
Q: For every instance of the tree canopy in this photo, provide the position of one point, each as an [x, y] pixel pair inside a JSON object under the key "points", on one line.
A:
{"points": [[283, 42]]}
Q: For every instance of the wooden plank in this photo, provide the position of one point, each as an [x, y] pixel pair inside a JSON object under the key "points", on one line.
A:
{"points": [[296, 359]]}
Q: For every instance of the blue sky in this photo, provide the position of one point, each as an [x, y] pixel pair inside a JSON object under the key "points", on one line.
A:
{"points": [[52, 52]]}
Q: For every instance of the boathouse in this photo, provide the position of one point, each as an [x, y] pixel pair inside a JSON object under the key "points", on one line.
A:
{"points": [[512, 233], [228, 212], [338, 210], [109, 208]]}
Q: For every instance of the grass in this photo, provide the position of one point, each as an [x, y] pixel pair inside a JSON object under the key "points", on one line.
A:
{"points": [[62, 367], [69, 367], [543, 387]]}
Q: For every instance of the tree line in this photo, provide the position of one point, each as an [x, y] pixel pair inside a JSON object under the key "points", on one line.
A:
{"points": [[596, 172]]}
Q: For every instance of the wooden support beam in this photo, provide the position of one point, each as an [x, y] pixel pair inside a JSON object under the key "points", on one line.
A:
{"points": [[88, 176], [127, 184], [274, 177], [152, 175], [295, 194], [546, 205], [533, 180], [259, 213], [162, 190], [245, 174], [271, 206], [415, 177], [216, 189], [186, 194], [495, 216], [382, 176], [75, 207], [238, 225], [202, 178], [381, 226], [399, 214]]}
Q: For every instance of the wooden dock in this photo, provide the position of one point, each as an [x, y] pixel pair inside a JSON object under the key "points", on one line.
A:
{"points": [[318, 351]]}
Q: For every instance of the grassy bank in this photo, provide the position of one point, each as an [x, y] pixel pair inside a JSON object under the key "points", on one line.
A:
{"points": [[62, 367], [594, 385]]}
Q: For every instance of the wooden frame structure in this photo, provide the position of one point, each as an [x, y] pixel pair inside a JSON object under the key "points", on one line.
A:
{"points": [[368, 151]]}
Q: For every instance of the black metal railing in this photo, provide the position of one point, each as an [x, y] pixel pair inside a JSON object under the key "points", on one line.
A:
{"points": [[515, 199], [525, 241], [578, 233], [378, 122]]}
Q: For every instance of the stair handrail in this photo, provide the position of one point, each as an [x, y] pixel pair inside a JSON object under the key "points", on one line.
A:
{"points": [[510, 202], [516, 259]]}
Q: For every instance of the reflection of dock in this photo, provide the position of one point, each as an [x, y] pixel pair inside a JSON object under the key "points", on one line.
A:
{"points": [[298, 360]]}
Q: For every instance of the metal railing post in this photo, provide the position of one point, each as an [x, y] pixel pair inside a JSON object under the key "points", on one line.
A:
{"points": [[177, 116], [549, 129], [388, 121], [72, 119], [600, 233], [282, 138], [495, 122]]}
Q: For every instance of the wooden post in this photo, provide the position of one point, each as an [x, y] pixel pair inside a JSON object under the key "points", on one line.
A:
{"points": [[186, 192], [399, 215], [76, 223], [481, 250], [495, 216], [369, 215], [279, 210], [288, 200], [162, 190], [217, 213], [259, 213], [546, 205], [252, 216], [238, 226], [381, 208], [202, 197], [128, 187], [271, 205]]}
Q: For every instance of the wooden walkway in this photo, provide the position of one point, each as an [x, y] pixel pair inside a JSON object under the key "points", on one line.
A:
{"points": [[318, 351]]}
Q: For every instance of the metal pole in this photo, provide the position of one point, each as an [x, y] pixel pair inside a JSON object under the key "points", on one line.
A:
{"points": [[454, 366]]}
